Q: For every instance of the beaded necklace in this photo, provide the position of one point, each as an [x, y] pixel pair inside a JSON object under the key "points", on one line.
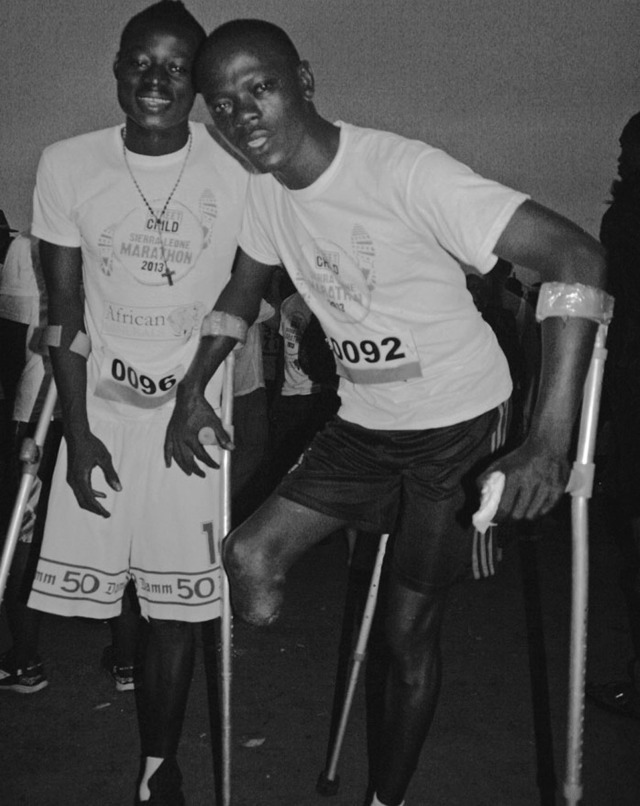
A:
{"points": [[158, 219]]}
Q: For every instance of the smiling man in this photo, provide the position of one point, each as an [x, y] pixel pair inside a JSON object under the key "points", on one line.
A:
{"points": [[138, 226], [372, 228]]}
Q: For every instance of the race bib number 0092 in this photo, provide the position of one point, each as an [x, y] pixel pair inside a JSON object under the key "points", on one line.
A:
{"points": [[376, 359]]}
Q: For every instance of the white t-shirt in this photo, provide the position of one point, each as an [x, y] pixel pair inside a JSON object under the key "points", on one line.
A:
{"points": [[146, 293], [294, 318], [377, 241]]}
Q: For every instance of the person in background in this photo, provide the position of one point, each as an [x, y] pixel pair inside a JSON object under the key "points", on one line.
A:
{"points": [[251, 420], [303, 405], [620, 234], [513, 322], [272, 341], [23, 293], [26, 375], [17, 295]]}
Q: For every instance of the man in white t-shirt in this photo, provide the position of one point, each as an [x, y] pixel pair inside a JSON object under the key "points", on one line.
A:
{"points": [[376, 227], [138, 227]]}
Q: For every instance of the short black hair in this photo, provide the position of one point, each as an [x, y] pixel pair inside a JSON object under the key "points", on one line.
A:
{"points": [[171, 13], [253, 33]]}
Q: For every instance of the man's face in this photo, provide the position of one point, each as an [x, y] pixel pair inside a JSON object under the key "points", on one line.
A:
{"points": [[155, 87], [260, 105]]}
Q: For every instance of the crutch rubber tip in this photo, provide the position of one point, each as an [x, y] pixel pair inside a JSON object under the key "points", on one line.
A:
{"points": [[207, 436], [327, 786]]}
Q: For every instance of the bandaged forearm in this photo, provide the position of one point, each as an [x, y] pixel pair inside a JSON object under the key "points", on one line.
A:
{"points": [[574, 300], [220, 323], [79, 344]]}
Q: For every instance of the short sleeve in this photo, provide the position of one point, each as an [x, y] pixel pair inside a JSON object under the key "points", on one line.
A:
{"points": [[466, 212], [254, 237], [52, 204]]}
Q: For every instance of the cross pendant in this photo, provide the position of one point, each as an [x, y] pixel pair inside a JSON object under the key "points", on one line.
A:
{"points": [[168, 274]]}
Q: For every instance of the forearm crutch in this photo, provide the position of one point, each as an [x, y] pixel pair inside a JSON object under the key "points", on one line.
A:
{"points": [[226, 633], [580, 487], [30, 457], [207, 436], [329, 781]]}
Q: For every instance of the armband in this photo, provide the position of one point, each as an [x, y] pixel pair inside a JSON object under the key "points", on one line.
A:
{"points": [[574, 301], [80, 344], [219, 323]]}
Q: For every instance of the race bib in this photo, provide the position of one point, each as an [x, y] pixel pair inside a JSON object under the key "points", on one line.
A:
{"points": [[122, 382], [376, 359]]}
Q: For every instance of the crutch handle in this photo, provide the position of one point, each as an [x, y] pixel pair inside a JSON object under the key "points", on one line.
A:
{"points": [[207, 436], [29, 453]]}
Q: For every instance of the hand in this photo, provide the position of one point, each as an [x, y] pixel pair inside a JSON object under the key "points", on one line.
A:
{"points": [[535, 480], [184, 441], [86, 452]]}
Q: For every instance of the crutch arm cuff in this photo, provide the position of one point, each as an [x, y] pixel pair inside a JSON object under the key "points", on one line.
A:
{"points": [[80, 344], [220, 323], [581, 480], [574, 300]]}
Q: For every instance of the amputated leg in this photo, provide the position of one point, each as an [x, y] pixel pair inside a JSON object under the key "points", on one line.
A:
{"points": [[258, 554]]}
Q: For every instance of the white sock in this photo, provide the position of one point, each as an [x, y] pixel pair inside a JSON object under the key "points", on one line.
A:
{"points": [[151, 765], [376, 802]]}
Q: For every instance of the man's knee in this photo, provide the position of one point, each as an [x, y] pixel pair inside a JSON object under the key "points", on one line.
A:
{"points": [[413, 623], [238, 558], [251, 552]]}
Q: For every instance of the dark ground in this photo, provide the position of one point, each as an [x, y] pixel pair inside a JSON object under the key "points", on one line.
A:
{"points": [[75, 743]]}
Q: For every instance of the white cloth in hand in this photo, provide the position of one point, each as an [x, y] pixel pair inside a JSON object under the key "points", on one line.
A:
{"points": [[489, 501]]}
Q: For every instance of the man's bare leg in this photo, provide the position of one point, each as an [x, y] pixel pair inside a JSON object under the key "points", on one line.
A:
{"points": [[412, 629]]}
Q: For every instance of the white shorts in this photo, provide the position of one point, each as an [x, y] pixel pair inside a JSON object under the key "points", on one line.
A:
{"points": [[164, 533]]}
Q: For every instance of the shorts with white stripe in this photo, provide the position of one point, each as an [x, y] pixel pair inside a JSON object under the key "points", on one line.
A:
{"points": [[419, 485]]}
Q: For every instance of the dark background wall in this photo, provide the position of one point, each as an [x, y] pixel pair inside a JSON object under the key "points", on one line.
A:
{"points": [[531, 92]]}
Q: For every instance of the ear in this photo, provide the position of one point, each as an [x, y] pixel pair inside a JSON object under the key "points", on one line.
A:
{"points": [[306, 80], [116, 61]]}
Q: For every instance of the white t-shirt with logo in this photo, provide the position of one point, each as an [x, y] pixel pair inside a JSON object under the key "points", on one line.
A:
{"points": [[376, 242], [146, 291]]}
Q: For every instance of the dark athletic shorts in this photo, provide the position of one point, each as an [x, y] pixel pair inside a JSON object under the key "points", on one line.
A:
{"points": [[419, 486]]}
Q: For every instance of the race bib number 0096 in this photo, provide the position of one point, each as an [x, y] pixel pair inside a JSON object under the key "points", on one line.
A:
{"points": [[121, 381]]}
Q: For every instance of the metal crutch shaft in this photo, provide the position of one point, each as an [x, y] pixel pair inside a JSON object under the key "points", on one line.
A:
{"points": [[30, 455], [580, 487], [226, 636], [207, 437], [328, 782]]}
